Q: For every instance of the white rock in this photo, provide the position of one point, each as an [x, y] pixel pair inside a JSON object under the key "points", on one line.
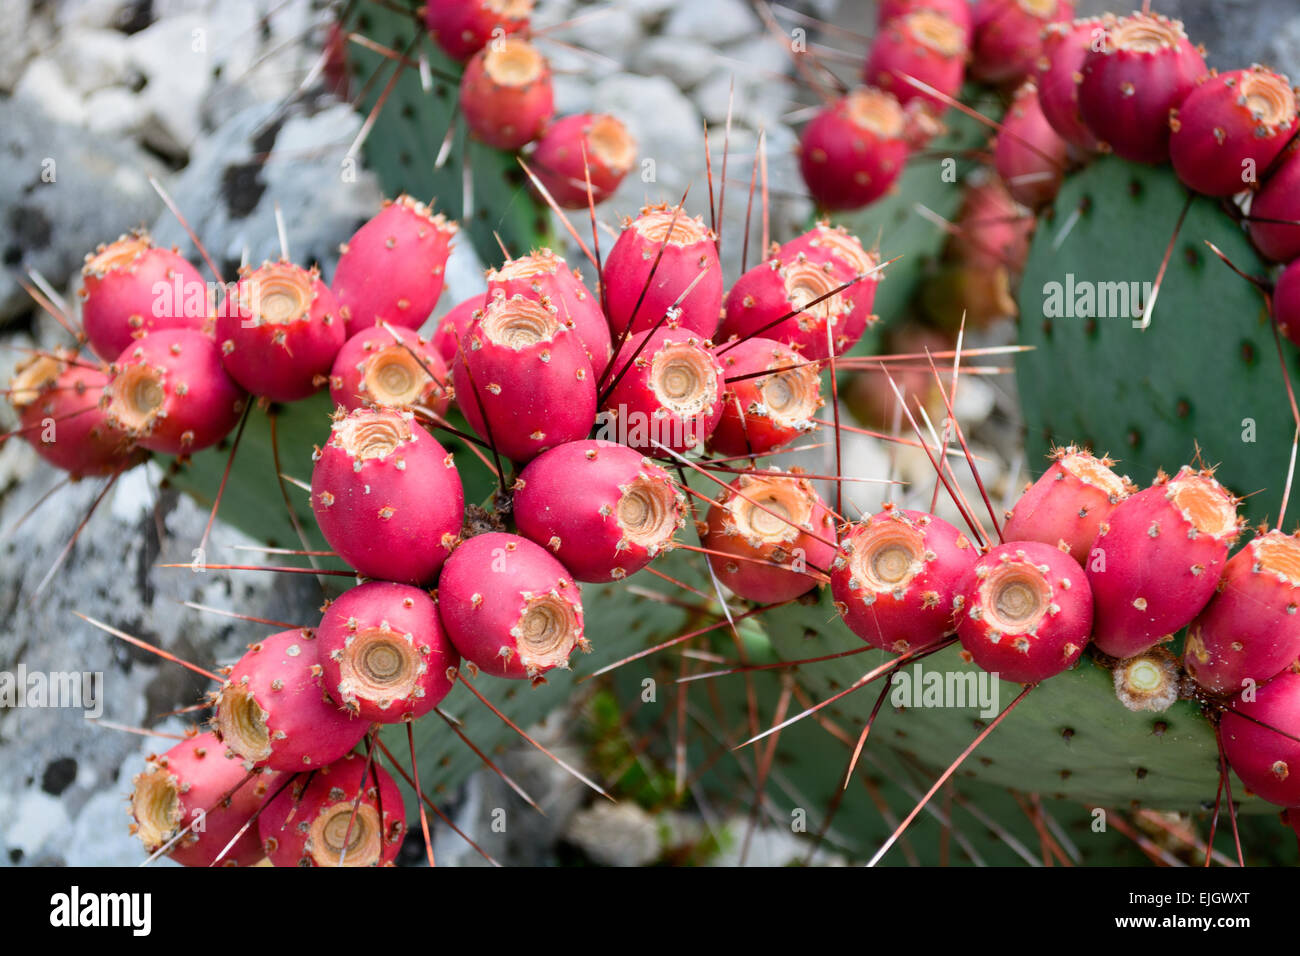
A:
{"points": [[174, 57], [683, 60], [93, 59], [44, 85], [610, 34], [114, 111], [616, 834], [666, 126], [18, 40], [31, 819], [716, 21], [105, 14]]}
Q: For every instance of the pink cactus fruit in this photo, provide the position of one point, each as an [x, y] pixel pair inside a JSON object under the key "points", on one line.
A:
{"points": [[1008, 37], [463, 27], [1230, 128], [665, 389], [273, 712], [195, 787], [1068, 505], [601, 508], [770, 397], [544, 276], [506, 95], [1058, 71], [509, 607], [1028, 154], [279, 331], [1250, 630], [1266, 758], [348, 813], [993, 230], [60, 416], [689, 249], [958, 11], [1286, 302], [895, 577], [1274, 223], [131, 287], [170, 393], [524, 381], [853, 151], [841, 254], [384, 654], [392, 269], [1024, 611], [383, 369], [775, 537], [1142, 68], [387, 496], [558, 158], [1157, 560], [453, 327], [924, 44]]}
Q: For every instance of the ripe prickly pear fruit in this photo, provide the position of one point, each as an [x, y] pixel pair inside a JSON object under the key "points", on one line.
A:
{"points": [[131, 287], [1250, 630], [376, 368], [524, 381], [190, 781], [1028, 154], [1008, 37], [1267, 762], [171, 394], [601, 508], [1057, 73], [840, 254], [1230, 128], [777, 531], [1275, 208], [853, 151], [506, 95], [774, 298], [1143, 67], [350, 810], [761, 413], [958, 11], [279, 331], [463, 27], [993, 230], [393, 267], [384, 653], [895, 576], [689, 248], [1067, 506], [544, 277], [453, 327], [557, 159], [509, 607], [1157, 559], [1286, 302], [387, 496], [671, 393], [1024, 611], [924, 44], [273, 712]]}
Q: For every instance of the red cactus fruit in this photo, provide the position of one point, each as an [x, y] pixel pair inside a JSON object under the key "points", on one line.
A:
{"points": [[1058, 70], [544, 276], [895, 577], [463, 27], [689, 248], [279, 331], [384, 654], [1144, 67], [1008, 37], [60, 416], [924, 44], [171, 394], [958, 11], [190, 783], [1286, 302], [453, 327], [392, 267], [506, 95], [509, 607], [670, 393], [1275, 210], [350, 811], [272, 711], [761, 413], [993, 230], [1250, 630], [840, 254], [853, 151], [1230, 128], [387, 496], [524, 381], [1028, 154], [390, 370], [601, 508], [1067, 506], [131, 287], [557, 159], [1157, 560], [1024, 611], [777, 534], [1267, 761]]}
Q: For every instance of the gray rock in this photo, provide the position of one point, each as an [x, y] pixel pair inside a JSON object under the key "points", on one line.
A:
{"points": [[44, 89], [92, 59], [665, 124], [615, 834], [114, 112], [107, 14], [717, 22], [21, 35], [173, 56], [681, 59]]}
